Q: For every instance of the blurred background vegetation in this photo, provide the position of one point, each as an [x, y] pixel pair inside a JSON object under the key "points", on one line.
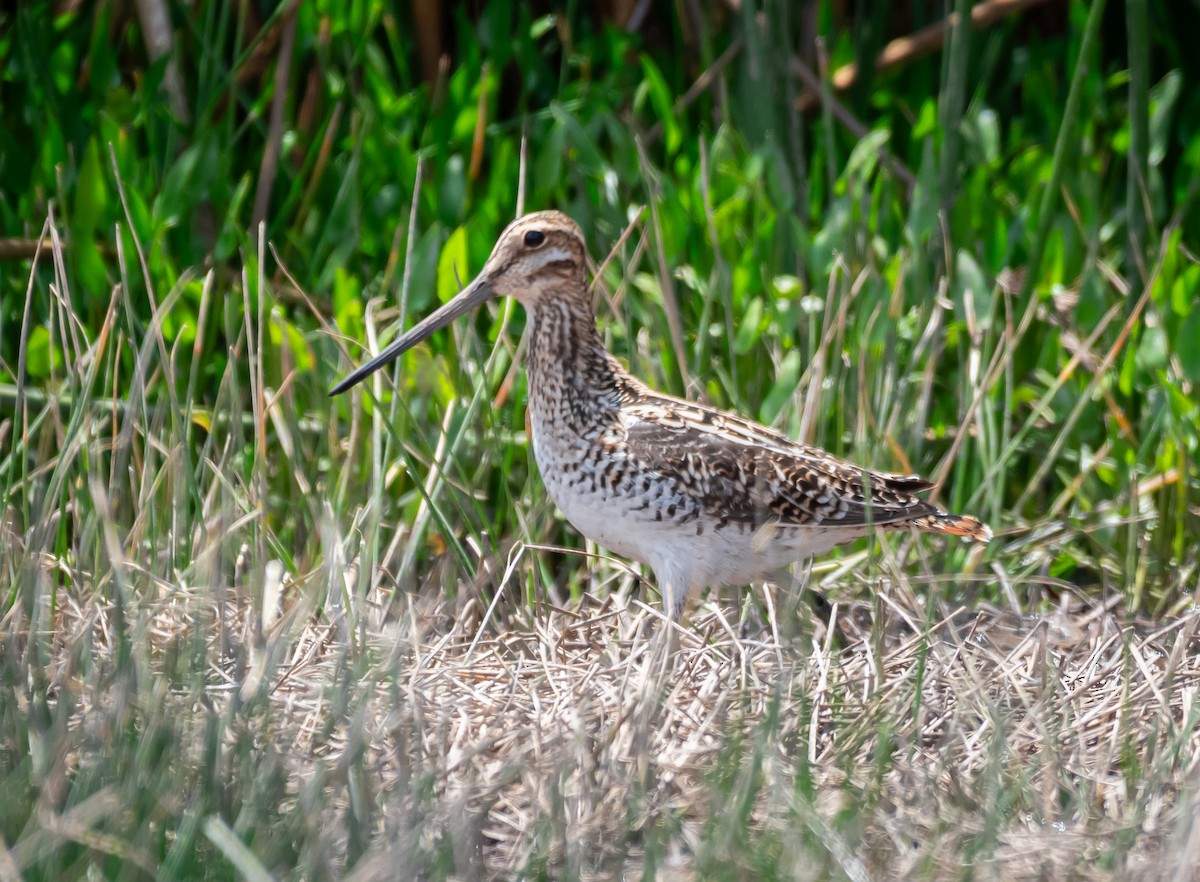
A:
{"points": [[995, 200]]}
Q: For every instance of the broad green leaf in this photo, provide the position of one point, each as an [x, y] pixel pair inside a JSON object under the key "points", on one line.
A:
{"points": [[1162, 103], [453, 191], [1188, 346], [659, 94], [922, 216], [453, 271], [1152, 349], [784, 388], [91, 201], [1185, 292], [90, 191], [971, 285], [180, 324], [347, 303], [749, 327], [865, 155], [39, 353], [984, 129], [232, 232], [283, 334]]}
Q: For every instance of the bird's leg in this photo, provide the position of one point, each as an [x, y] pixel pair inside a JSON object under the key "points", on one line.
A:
{"points": [[822, 609], [752, 623], [674, 580], [675, 599], [818, 603]]}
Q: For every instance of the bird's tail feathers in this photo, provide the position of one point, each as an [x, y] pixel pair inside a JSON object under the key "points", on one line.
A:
{"points": [[953, 525]]}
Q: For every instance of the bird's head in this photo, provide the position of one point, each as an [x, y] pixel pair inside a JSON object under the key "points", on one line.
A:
{"points": [[536, 255]]}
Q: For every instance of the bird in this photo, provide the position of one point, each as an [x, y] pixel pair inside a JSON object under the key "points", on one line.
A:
{"points": [[703, 497]]}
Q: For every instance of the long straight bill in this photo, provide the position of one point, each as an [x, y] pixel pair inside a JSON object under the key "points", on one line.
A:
{"points": [[470, 297]]}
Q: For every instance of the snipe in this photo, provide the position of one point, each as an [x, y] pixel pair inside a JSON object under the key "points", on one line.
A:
{"points": [[704, 497]]}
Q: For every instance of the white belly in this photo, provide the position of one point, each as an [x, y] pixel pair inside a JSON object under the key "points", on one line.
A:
{"points": [[655, 527], [610, 518]]}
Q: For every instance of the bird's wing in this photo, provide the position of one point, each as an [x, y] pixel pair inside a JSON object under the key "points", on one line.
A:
{"points": [[743, 472]]}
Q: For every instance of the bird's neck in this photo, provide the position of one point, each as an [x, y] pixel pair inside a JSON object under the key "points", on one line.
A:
{"points": [[572, 378]]}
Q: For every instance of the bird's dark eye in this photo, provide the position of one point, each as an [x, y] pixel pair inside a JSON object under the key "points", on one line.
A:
{"points": [[534, 239]]}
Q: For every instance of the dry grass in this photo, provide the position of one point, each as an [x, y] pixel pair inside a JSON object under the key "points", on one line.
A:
{"points": [[967, 743]]}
